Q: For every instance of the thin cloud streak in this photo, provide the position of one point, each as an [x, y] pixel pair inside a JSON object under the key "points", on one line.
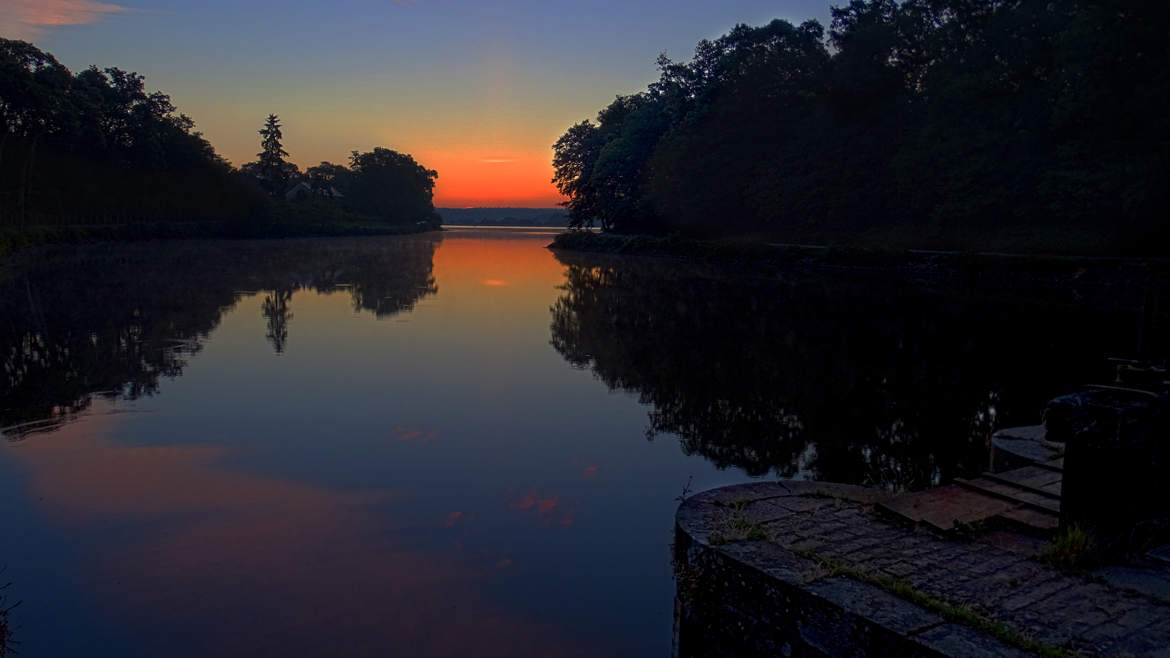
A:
{"points": [[28, 19]]}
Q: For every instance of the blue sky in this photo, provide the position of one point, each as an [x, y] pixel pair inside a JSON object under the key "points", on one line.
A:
{"points": [[477, 89]]}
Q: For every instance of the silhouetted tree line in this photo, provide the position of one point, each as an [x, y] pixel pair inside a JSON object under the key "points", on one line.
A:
{"points": [[871, 382], [80, 322], [947, 115], [382, 184], [96, 147]]}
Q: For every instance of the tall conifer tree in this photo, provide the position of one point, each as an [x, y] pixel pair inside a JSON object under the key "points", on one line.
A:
{"points": [[273, 168]]}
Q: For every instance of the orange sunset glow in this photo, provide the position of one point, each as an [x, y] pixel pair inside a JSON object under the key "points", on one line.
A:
{"points": [[583, 328], [471, 178]]}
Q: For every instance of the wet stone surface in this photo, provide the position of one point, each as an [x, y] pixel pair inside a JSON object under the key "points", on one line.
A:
{"points": [[791, 531]]}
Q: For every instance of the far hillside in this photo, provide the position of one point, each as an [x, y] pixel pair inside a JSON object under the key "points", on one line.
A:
{"points": [[504, 216]]}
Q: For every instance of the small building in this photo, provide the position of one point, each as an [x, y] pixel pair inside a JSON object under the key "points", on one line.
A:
{"points": [[302, 191]]}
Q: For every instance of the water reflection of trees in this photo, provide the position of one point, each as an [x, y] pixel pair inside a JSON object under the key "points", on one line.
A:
{"points": [[842, 380], [275, 309], [113, 321]]}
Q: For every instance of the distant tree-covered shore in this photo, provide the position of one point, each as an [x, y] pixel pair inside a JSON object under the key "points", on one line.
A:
{"points": [[96, 148], [925, 120], [489, 216]]}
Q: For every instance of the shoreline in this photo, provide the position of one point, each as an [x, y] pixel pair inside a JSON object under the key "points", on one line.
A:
{"points": [[1052, 279], [13, 241], [796, 253]]}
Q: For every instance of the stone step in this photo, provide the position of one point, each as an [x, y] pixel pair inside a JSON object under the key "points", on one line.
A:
{"points": [[943, 507], [1010, 493], [1031, 478], [1051, 493], [1033, 522], [1014, 447], [1057, 464], [1053, 464]]}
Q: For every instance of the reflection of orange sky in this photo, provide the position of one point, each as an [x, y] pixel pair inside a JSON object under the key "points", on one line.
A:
{"points": [[495, 263], [403, 433], [547, 508], [240, 564]]}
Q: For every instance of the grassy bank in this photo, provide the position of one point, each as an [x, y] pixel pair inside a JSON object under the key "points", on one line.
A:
{"points": [[12, 240]]}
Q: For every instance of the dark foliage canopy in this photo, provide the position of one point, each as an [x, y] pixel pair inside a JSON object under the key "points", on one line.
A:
{"points": [[96, 145], [390, 185], [932, 116], [97, 148]]}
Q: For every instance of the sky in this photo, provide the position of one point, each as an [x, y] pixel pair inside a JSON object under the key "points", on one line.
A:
{"points": [[478, 90]]}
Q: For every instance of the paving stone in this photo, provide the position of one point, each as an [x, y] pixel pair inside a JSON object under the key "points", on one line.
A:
{"points": [[1140, 618], [876, 604], [762, 511], [1033, 595], [839, 536], [901, 569], [994, 576], [806, 545], [1013, 542], [942, 506], [798, 504], [1151, 582], [958, 640]]}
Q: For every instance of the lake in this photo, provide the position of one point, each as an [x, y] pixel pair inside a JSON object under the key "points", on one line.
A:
{"points": [[461, 442]]}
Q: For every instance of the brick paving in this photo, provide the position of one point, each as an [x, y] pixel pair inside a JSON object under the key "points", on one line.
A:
{"points": [[1057, 608]]}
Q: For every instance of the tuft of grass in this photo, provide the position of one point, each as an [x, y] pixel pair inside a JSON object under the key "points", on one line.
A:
{"points": [[1073, 549], [738, 527], [963, 530], [828, 567]]}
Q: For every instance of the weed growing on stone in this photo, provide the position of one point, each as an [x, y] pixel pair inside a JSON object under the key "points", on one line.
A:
{"points": [[963, 530], [749, 529], [738, 528], [949, 611], [1073, 549]]}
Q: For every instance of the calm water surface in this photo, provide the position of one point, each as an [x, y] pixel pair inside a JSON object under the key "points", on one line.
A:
{"points": [[457, 443]]}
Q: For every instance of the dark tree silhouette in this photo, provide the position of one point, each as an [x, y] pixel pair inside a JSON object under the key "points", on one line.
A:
{"points": [[941, 120], [275, 309], [326, 179], [391, 187], [115, 320], [272, 167], [97, 147], [836, 378]]}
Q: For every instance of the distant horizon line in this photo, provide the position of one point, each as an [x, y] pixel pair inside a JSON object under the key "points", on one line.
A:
{"points": [[499, 208]]}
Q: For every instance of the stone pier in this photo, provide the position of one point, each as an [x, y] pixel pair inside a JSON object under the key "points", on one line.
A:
{"points": [[811, 569]]}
